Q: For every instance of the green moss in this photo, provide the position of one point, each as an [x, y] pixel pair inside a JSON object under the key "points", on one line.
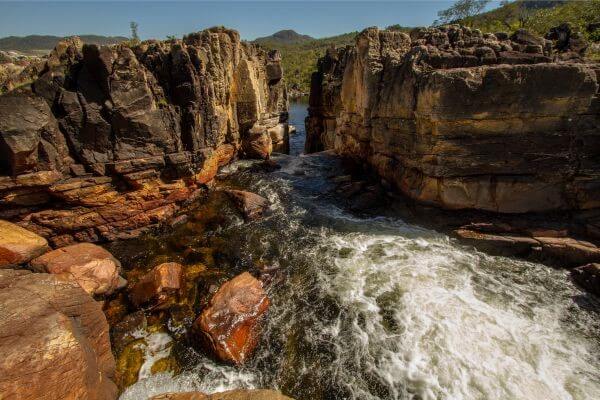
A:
{"points": [[167, 364], [129, 363], [162, 103]]}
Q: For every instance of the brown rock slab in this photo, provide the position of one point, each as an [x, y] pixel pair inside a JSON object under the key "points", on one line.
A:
{"points": [[94, 268], [230, 325], [158, 286], [18, 245], [570, 251], [251, 205], [497, 243], [238, 394], [588, 277], [55, 342]]}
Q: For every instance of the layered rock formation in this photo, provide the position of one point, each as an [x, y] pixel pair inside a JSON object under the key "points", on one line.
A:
{"points": [[464, 120], [111, 140]]}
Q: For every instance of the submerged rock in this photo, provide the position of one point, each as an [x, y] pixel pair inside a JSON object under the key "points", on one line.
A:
{"points": [[238, 394], [91, 266], [55, 342], [159, 286], [588, 277], [129, 363], [230, 325], [18, 245], [251, 205]]}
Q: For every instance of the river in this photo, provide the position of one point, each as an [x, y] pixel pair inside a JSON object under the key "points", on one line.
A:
{"points": [[376, 308]]}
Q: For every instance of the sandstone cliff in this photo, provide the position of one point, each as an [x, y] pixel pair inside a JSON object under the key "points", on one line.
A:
{"points": [[110, 140], [464, 120]]}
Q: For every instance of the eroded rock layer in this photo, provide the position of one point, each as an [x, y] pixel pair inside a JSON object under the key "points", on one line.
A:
{"points": [[464, 120], [111, 140]]}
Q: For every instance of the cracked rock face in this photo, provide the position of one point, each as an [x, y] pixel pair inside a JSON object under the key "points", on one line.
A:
{"points": [[111, 140], [464, 120], [55, 341]]}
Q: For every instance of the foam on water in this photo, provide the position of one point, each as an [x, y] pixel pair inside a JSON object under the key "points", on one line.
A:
{"points": [[430, 321], [375, 308]]}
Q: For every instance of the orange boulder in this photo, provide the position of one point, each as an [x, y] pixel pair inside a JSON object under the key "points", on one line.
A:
{"points": [[229, 326]]}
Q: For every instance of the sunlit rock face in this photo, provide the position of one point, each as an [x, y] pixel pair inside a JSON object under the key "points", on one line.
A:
{"points": [[110, 140], [464, 120], [55, 340]]}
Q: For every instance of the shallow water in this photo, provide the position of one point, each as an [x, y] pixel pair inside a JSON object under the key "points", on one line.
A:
{"points": [[376, 308]]}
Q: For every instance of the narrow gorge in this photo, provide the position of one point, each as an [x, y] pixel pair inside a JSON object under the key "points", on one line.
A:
{"points": [[426, 226]]}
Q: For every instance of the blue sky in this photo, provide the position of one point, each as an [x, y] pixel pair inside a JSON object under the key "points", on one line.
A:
{"points": [[252, 19]]}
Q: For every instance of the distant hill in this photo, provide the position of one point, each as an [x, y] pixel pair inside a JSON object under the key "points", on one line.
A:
{"points": [[301, 52], [47, 42], [286, 36]]}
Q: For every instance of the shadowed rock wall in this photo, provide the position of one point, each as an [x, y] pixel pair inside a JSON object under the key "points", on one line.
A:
{"points": [[111, 140], [464, 120]]}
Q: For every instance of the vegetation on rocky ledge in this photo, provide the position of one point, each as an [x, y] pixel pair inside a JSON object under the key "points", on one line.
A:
{"points": [[299, 57]]}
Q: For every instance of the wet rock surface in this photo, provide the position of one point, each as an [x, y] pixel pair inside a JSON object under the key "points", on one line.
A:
{"points": [[55, 341], [158, 286], [230, 325], [251, 205], [109, 141]]}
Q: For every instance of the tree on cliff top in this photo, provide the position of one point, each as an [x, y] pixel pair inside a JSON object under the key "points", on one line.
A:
{"points": [[461, 10], [134, 31]]}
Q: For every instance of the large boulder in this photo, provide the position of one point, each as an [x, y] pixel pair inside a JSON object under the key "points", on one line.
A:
{"points": [[230, 325], [18, 245], [163, 283], [238, 394], [55, 342], [91, 266], [257, 143]]}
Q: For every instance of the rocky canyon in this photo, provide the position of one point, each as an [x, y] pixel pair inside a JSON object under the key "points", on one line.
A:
{"points": [[162, 235], [458, 119]]}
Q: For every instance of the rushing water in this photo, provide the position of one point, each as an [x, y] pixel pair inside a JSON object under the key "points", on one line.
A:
{"points": [[376, 308]]}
